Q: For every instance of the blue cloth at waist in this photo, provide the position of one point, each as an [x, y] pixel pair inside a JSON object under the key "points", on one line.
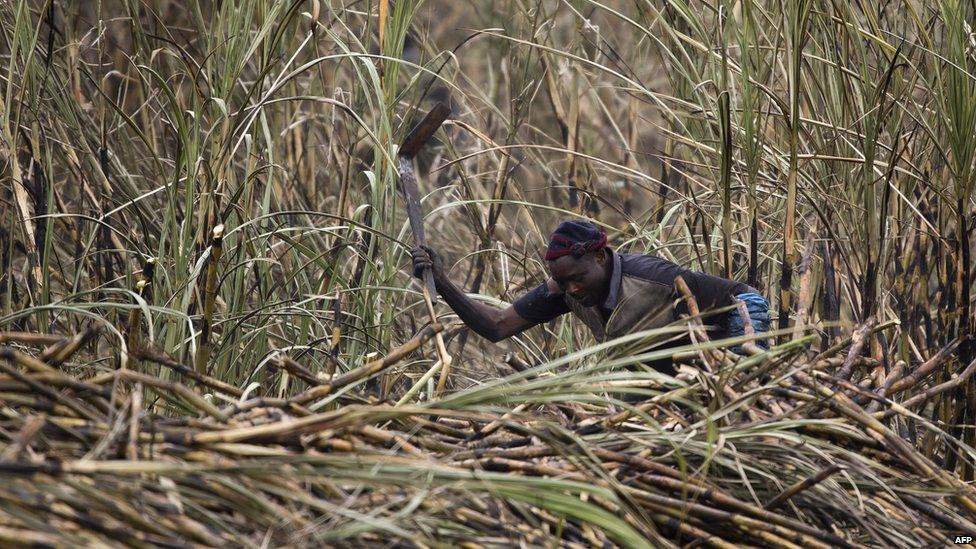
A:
{"points": [[758, 309]]}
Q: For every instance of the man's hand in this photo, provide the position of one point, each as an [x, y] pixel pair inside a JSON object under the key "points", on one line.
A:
{"points": [[426, 258]]}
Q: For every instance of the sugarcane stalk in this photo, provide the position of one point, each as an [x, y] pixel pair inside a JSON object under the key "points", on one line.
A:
{"points": [[894, 442], [60, 352], [444, 358], [420, 383], [29, 338], [336, 340], [97, 395], [7, 355], [801, 486], [885, 390], [135, 315], [859, 339], [294, 368], [157, 356], [20, 441], [370, 368], [694, 322], [132, 448], [924, 369], [168, 387], [956, 380], [210, 297]]}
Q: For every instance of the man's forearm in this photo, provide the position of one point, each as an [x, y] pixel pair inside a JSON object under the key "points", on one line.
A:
{"points": [[478, 316]]}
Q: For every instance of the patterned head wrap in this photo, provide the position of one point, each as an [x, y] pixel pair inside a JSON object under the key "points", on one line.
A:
{"points": [[575, 238]]}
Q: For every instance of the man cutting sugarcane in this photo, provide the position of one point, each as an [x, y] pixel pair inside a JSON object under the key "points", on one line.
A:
{"points": [[614, 294]]}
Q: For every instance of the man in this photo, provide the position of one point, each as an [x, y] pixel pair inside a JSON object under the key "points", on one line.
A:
{"points": [[613, 294]]}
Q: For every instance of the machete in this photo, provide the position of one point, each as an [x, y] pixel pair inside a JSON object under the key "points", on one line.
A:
{"points": [[415, 140]]}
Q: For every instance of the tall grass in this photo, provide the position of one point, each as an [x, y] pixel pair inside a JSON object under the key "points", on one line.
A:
{"points": [[743, 138]]}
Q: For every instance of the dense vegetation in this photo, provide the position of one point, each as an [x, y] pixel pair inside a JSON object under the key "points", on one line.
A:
{"points": [[211, 334]]}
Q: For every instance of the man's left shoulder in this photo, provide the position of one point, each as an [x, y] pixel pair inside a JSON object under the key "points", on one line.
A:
{"points": [[649, 267]]}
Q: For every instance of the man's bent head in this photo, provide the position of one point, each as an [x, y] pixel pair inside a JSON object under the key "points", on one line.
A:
{"points": [[578, 261]]}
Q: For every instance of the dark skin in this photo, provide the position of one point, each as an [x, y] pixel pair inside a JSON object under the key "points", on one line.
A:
{"points": [[586, 279]]}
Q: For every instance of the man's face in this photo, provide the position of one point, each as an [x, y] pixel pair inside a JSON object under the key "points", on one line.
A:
{"points": [[585, 279]]}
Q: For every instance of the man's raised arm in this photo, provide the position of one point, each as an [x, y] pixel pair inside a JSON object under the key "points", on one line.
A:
{"points": [[489, 322]]}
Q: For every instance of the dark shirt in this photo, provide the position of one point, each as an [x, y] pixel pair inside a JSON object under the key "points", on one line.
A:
{"points": [[540, 305]]}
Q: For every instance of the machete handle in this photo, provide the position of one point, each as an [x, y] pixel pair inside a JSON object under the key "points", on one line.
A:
{"points": [[429, 283]]}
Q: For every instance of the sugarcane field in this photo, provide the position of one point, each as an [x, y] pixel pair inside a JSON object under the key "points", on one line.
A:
{"points": [[509, 273]]}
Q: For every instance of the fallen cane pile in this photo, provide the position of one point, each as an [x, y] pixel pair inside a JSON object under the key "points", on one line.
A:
{"points": [[780, 449]]}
